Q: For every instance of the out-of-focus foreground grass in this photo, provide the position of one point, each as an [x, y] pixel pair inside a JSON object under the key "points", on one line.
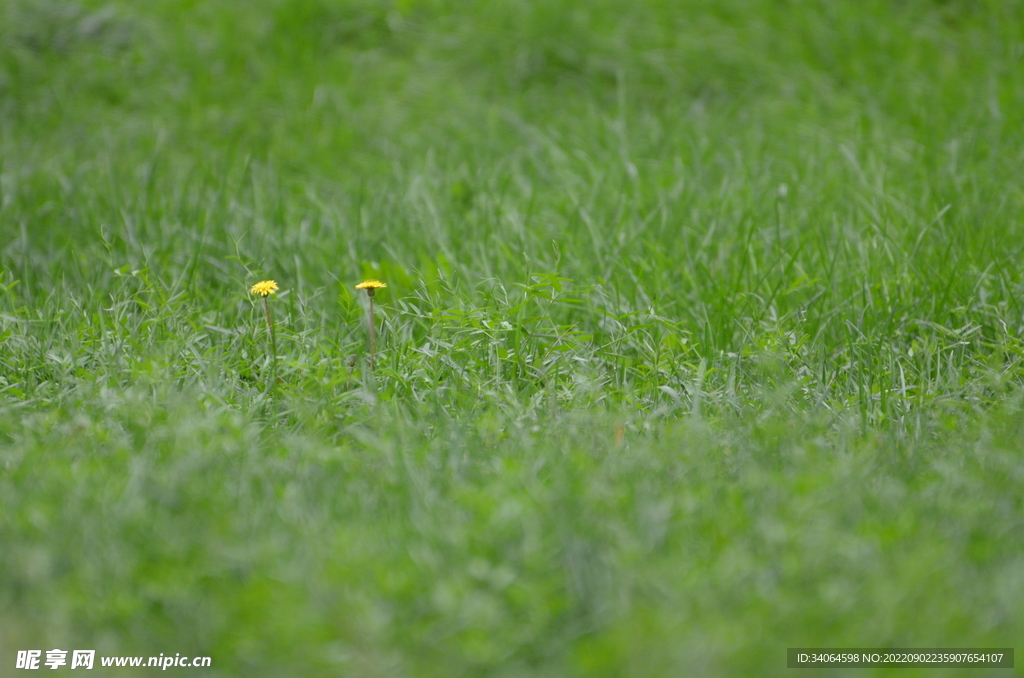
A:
{"points": [[701, 337]]}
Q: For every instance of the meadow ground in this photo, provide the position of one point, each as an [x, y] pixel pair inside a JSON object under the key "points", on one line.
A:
{"points": [[702, 336]]}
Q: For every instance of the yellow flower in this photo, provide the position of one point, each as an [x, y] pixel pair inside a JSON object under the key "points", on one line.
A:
{"points": [[264, 288], [370, 286]]}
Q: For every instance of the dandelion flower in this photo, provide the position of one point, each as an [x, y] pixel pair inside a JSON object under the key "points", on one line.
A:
{"points": [[370, 286], [264, 288]]}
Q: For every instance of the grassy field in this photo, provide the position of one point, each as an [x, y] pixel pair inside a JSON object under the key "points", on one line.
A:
{"points": [[702, 336]]}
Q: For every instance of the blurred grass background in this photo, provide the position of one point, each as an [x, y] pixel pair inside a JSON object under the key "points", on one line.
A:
{"points": [[701, 340]]}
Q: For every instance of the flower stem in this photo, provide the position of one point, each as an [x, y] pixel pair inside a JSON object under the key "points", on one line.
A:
{"points": [[371, 332], [273, 344]]}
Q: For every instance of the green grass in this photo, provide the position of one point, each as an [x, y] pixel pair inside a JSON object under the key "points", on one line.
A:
{"points": [[702, 336]]}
